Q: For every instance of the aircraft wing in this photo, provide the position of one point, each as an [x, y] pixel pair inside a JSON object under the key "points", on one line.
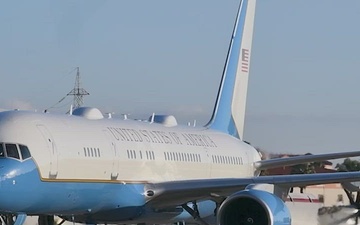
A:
{"points": [[280, 162], [175, 193]]}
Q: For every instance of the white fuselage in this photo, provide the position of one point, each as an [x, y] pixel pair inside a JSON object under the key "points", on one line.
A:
{"points": [[72, 148]]}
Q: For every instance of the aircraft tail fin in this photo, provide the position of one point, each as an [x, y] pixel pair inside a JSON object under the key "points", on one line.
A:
{"points": [[229, 111]]}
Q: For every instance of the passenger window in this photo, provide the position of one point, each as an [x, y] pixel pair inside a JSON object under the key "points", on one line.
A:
{"points": [[2, 154], [11, 151], [25, 153]]}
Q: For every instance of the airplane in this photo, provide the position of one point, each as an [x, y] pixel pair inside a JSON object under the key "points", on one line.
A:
{"points": [[86, 168], [305, 208]]}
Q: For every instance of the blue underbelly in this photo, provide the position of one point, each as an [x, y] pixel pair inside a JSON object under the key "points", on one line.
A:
{"points": [[22, 190]]}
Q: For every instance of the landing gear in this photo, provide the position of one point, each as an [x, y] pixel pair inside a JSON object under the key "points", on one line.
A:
{"points": [[49, 220], [46, 220], [194, 212], [12, 219], [7, 219], [180, 223]]}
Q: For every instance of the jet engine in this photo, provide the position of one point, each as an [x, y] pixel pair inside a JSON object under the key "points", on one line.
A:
{"points": [[253, 207]]}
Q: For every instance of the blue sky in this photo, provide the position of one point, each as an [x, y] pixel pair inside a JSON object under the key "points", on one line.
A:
{"points": [[160, 56]]}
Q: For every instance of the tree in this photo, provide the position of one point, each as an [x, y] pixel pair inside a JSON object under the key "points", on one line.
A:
{"points": [[348, 165], [306, 168]]}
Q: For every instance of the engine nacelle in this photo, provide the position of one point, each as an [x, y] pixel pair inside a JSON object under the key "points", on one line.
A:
{"points": [[253, 207]]}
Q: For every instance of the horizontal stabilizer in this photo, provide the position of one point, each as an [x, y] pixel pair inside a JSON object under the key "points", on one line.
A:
{"points": [[289, 161]]}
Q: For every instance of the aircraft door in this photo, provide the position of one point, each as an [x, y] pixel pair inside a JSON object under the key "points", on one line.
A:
{"points": [[115, 159], [52, 150]]}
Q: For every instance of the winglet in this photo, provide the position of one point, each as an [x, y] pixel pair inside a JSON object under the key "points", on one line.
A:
{"points": [[229, 111]]}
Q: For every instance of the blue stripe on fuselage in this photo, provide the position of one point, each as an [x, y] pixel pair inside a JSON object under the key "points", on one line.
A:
{"points": [[21, 190]]}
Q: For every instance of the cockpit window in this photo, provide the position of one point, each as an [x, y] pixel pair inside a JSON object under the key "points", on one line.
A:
{"points": [[2, 154], [16, 151], [11, 151], [25, 153]]}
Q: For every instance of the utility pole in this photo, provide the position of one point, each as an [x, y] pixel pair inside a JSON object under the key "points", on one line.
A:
{"points": [[78, 92]]}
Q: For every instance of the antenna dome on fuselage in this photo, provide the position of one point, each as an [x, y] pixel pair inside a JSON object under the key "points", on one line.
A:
{"points": [[166, 120], [88, 113]]}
